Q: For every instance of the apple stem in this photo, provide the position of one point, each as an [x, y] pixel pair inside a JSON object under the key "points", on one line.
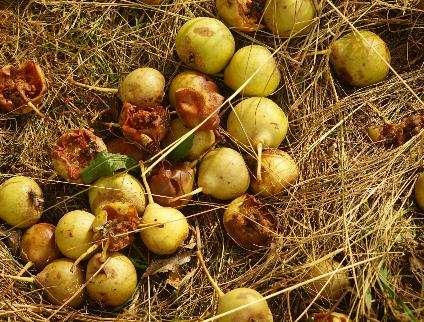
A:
{"points": [[259, 168], [83, 256], [202, 262], [191, 193], [143, 175], [19, 278]]}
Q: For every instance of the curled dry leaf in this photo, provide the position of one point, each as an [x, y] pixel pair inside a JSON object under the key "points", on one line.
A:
{"points": [[115, 224], [144, 125], [74, 151], [396, 134], [20, 85], [169, 264], [249, 223], [169, 181]]}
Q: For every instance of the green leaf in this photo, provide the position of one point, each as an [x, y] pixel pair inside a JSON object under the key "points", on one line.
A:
{"points": [[181, 151], [106, 164], [140, 264], [384, 281]]}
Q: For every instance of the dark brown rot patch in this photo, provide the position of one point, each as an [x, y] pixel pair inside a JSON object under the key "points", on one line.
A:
{"points": [[252, 226], [204, 31], [123, 146], [145, 125], [20, 85]]}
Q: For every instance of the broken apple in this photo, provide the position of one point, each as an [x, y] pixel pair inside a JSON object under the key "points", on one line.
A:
{"points": [[74, 151], [21, 88], [195, 96], [114, 224], [170, 181], [249, 223], [145, 125]]}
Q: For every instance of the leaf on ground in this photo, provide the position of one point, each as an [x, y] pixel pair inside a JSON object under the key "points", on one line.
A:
{"points": [[168, 265]]}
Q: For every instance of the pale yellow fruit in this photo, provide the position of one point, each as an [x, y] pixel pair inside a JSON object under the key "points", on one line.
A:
{"points": [[163, 229], [223, 174], [338, 283], [289, 17], [61, 281], [245, 62], [121, 187], [279, 171], [21, 202], [242, 296], [258, 120], [202, 139], [205, 44], [143, 87], [419, 191], [73, 233], [360, 58], [114, 283]]}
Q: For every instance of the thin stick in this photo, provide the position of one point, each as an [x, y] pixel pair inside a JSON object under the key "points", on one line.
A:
{"points": [[202, 262], [259, 167], [95, 88], [143, 175], [191, 193], [25, 268], [83, 256], [19, 278]]}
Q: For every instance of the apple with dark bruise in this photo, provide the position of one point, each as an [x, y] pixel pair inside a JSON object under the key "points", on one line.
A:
{"points": [[144, 125], [169, 181], [195, 96], [249, 223], [114, 224], [243, 15], [74, 151], [20, 85]]}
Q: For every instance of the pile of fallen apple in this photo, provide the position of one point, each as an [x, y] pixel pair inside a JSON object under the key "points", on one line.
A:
{"points": [[173, 150]]}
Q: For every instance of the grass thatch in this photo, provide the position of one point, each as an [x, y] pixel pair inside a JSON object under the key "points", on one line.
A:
{"points": [[354, 198]]}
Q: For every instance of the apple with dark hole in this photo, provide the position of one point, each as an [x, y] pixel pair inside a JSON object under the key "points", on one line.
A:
{"points": [[21, 201]]}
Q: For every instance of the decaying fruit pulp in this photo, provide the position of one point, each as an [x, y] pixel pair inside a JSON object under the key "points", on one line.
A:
{"points": [[169, 181], [195, 96], [396, 134], [114, 225], [21, 85], [330, 317], [144, 125], [249, 223], [243, 15], [419, 191], [74, 151]]}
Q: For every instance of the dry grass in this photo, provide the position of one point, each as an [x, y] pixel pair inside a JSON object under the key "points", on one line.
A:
{"points": [[353, 198]]}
